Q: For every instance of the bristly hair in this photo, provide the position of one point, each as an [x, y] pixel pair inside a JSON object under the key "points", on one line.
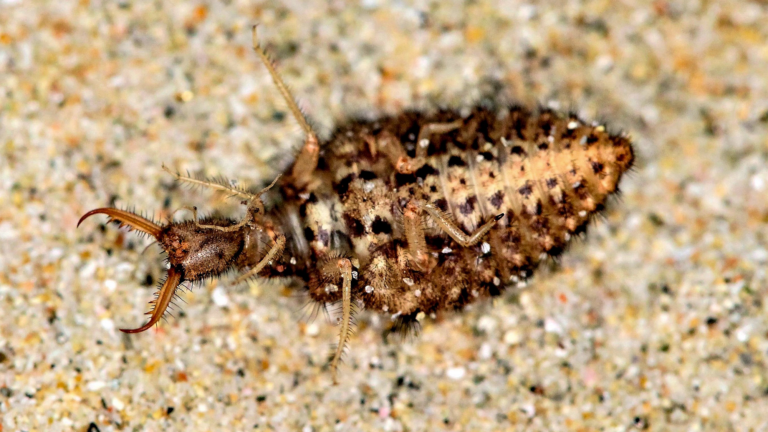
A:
{"points": [[227, 186], [350, 331], [307, 119], [310, 310], [155, 296], [405, 327], [128, 227]]}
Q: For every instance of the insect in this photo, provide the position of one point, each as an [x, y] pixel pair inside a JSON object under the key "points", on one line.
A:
{"points": [[407, 215]]}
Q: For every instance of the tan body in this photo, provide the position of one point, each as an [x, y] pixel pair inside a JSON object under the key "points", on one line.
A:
{"points": [[408, 215], [494, 162]]}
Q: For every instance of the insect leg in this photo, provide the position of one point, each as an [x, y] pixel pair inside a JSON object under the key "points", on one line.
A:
{"points": [[273, 254], [414, 233], [388, 144], [450, 228], [306, 161], [393, 148], [345, 268], [433, 128], [230, 228]]}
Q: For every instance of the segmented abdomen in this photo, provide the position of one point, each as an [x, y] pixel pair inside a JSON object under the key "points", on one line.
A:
{"points": [[548, 173]]}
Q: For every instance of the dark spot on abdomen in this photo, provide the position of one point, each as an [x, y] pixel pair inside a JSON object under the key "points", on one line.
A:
{"points": [[381, 226], [456, 161], [551, 182], [343, 185], [404, 179], [367, 175], [426, 170], [497, 199], [469, 206], [597, 167], [354, 226], [442, 204], [526, 190]]}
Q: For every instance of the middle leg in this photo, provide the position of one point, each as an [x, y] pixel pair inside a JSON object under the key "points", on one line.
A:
{"points": [[414, 233]]}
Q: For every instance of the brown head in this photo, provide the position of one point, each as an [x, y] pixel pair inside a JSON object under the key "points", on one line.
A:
{"points": [[195, 251]]}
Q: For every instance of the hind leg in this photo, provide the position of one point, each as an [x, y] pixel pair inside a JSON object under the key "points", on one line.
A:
{"points": [[457, 234], [391, 146], [433, 128], [414, 231]]}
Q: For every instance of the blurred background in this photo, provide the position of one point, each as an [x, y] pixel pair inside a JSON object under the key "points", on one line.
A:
{"points": [[657, 320]]}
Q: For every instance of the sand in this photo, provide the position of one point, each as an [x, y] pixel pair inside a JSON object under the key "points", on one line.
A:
{"points": [[656, 320]]}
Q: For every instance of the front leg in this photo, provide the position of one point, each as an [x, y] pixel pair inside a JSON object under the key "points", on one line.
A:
{"points": [[274, 253], [306, 162], [255, 206], [231, 228]]}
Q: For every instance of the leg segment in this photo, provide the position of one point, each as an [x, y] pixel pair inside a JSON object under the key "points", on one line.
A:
{"points": [[273, 254], [414, 233], [391, 146], [450, 228], [230, 228], [393, 149], [433, 128], [345, 268], [306, 162]]}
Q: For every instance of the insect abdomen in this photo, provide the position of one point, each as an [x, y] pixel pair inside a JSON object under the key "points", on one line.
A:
{"points": [[546, 172]]}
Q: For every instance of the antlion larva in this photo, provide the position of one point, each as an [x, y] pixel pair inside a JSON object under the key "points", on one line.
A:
{"points": [[415, 213]]}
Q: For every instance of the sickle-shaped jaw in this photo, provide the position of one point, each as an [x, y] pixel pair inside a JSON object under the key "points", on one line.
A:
{"points": [[164, 297], [168, 290], [126, 218]]}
